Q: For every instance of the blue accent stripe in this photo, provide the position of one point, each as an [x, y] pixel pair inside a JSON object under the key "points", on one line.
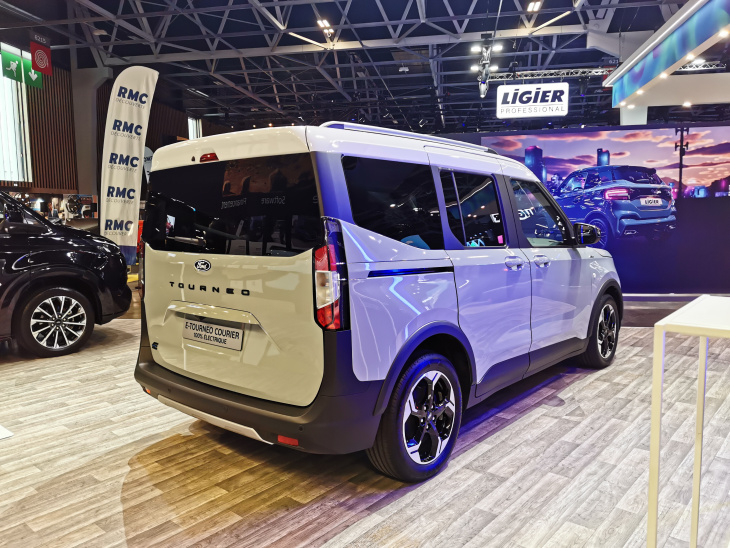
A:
{"points": [[409, 271]]}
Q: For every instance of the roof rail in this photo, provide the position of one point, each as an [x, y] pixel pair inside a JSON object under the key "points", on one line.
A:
{"points": [[400, 133]]}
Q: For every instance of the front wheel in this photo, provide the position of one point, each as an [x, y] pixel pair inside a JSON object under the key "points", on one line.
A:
{"points": [[603, 340], [421, 423], [55, 322]]}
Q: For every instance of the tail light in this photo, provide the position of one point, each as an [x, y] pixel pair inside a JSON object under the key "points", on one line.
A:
{"points": [[210, 157], [140, 283], [617, 194], [330, 279]]}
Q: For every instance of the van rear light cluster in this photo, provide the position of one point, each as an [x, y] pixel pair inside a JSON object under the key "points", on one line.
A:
{"points": [[617, 194], [330, 279]]}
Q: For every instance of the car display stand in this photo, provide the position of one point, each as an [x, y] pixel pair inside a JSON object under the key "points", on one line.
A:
{"points": [[705, 317]]}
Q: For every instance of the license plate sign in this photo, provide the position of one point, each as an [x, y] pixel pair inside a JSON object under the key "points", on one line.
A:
{"points": [[216, 335], [651, 201]]}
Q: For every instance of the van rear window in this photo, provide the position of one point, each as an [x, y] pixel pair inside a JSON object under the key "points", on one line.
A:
{"points": [[251, 206]]}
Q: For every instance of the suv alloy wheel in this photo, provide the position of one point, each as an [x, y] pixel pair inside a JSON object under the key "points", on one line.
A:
{"points": [[55, 322]]}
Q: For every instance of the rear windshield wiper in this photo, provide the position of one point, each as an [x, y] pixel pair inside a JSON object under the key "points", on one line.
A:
{"points": [[200, 242]]}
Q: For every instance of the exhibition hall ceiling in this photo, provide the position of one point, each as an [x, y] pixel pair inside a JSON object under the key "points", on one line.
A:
{"points": [[412, 64]]}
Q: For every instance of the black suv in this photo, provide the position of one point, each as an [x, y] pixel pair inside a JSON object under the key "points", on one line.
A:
{"points": [[55, 282]]}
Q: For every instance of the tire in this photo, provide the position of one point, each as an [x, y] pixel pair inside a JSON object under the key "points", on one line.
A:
{"points": [[607, 238], [401, 426], [603, 340], [67, 315]]}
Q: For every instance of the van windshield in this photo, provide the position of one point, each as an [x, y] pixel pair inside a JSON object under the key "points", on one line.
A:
{"points": [[252, 206]]}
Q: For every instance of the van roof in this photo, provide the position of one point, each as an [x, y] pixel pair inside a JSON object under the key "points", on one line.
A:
{"points": [[297, 139]]}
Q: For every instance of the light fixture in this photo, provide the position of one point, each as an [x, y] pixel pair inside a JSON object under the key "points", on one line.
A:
{"points": [[548, 23], [686, 104], [271, 125], [474, 68], [493, 68], [534, 6], [632, 106], [254, 125], [640, 92], [497, 47], [698, 61], [323, 23], [690, 56], [723, 33], [622, 104], [99, 32], [476, 48], [663, 75]]}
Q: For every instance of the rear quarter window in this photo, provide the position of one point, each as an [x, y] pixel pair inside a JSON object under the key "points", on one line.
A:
{"points": [[395, 199]]}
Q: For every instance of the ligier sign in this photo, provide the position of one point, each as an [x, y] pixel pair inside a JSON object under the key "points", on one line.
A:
{"points": [[532, 100]]}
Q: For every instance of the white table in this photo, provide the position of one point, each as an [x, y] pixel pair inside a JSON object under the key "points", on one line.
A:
{"points": [[707, 316]]}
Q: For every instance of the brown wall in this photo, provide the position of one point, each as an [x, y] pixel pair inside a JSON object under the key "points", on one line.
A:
{"points": [[52, 142]]}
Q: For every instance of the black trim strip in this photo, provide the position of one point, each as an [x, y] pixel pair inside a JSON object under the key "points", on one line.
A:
{"points": [[409, 271]]}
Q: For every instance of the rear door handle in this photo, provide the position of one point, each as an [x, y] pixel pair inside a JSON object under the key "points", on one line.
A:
{"points": [[541, 260], [513, 262]]}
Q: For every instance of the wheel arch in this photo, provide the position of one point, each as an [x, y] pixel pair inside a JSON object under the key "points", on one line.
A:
{"points": [[612, 288], [600, 215], [440, 337], [70, 280]]}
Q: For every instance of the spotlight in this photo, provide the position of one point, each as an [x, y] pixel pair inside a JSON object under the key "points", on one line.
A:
{"points": [[690, 56], [663, 75], [497, 47], [723, 33], [474, 68], [632, 106], [476, 48], [494, 68], [323, 23], [698, 61], [534, 6], [640, 92], [622, 104], [686, 104]]}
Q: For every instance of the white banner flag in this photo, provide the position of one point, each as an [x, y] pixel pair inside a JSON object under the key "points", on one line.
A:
{"points": [[123, 157]]}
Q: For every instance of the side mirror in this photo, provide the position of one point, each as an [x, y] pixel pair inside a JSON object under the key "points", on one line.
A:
{"points": [[586, 234]]}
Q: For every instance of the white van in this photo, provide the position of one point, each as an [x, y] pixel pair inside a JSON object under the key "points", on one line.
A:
{"points": [[345, 287]]}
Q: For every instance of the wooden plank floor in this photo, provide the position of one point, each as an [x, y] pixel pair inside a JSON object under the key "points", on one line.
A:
{"points": [[558, 460]]}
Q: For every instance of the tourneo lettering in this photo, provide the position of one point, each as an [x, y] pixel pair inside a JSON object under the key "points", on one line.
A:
{"points": [[213, 289]]}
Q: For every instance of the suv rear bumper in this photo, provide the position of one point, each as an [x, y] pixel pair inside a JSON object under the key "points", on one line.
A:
{"points": [[339, 420], [646, 227]]}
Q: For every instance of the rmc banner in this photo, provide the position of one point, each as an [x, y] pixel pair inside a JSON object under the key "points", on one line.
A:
{"points": [[123, 157]]}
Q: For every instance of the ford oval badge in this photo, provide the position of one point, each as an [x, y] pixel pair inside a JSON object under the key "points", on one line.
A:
{"points": [[201, 265]]}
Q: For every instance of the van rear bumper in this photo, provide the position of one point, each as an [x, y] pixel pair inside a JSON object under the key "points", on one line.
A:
{"points": [[339, 420]]}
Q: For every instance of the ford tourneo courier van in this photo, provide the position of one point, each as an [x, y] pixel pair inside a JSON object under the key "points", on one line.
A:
{"points": [[345, 287]]}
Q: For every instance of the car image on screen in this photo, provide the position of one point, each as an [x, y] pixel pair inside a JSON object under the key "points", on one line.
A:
{"points": [[622, 201]]}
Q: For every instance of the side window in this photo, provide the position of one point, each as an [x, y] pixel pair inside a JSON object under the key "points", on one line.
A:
{"points": [[453, 211], [480, 210], [573, 184], [542, 223], [395, 199], [10, 212]]}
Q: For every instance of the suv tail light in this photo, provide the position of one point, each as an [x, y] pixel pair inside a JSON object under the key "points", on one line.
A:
{"points": [[617, 194], [330, 279]]}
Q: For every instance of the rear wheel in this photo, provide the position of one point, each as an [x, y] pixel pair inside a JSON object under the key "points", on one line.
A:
{"points": [[421, 423], [606, 237], [604, 337], [55, 322]]}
